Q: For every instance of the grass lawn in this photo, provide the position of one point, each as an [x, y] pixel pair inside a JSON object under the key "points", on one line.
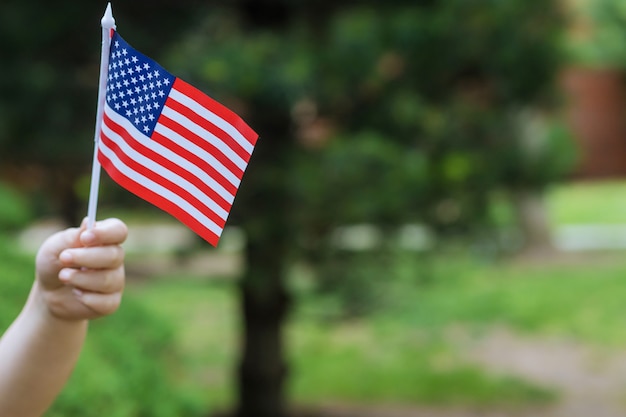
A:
{"points": [[588, 202]]}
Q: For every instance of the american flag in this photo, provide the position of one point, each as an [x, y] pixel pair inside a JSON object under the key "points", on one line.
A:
{"points": [[170, 144]]}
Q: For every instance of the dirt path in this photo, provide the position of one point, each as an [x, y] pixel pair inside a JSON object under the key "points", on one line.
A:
{"points": [[591, 383]]}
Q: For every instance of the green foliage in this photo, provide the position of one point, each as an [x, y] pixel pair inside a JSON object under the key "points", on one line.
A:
{"points": [[15, 210], [125, 369], [388, 114], [605, 44]]}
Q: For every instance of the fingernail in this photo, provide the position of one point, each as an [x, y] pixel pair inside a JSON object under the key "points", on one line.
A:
{"points": [[78, 293], [65, 274], [88, 237], [66, 256]]}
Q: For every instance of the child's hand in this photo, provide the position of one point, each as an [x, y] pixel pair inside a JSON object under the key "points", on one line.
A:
{"points": [[80, 272]]}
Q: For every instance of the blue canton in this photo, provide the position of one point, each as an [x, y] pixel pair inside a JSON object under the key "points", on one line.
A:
{"points": [[137, 86]]}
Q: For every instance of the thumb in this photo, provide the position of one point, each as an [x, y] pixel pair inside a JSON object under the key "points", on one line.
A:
{"points": [[47, 261]]}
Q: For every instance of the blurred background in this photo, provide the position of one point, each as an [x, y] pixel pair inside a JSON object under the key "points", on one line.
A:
{"points": [[433, 222]]}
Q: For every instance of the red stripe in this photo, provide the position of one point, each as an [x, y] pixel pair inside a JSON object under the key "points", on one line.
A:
{"points": [[161, 160], [181, 192], [153, 198], [217, 108], [205, 124], [197, 140], [196, 160]]}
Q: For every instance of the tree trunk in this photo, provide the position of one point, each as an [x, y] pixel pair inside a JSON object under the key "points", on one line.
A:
{"points": [[264, 304], [264, 299], [533, 221]]}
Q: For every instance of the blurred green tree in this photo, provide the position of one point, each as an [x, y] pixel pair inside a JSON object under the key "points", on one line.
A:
{"points": [[48, 80], [371, 112]]}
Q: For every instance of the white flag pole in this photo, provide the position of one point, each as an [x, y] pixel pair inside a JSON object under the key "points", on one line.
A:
{"points": [[108, 23]]}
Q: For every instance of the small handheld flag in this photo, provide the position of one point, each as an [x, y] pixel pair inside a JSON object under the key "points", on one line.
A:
{"points": [[169, 143]]}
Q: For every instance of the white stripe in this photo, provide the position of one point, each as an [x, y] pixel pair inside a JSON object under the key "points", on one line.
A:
{"points": [[172, 156], [198, 151], [160, 169], [213, 118], [205, 135], [159, 189]]}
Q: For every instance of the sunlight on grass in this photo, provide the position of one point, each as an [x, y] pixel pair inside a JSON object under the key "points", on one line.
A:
{"points": [[578, 299], [591, 202]]}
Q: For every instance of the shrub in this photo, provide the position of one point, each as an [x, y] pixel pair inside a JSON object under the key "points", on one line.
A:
{"points": [[125, 369], [14, 209]]}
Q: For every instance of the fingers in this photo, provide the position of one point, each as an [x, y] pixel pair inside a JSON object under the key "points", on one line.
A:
{"points": [[81, 271], [98, 281], [95, 257], [99, 304], [105, 232], [71, 303]]}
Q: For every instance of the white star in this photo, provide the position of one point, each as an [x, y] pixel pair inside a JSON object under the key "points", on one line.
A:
{"points": [[137, 68], [154, 96], [161, 93], [129, 113], [151, 86], [142, 78], [137, 90], [124, 51], [137, 121], [133, 80], [134, 59], [130, 71], [146, 66], [150, 117], [156, 73], [125, 103], [146, 129], [133, 101], [123, 73], [135, 111], [159, 84], [121, 94], [117, 44], [143, 119], [117, 106], [166, 81], [127, 61], [142, 109], [129, 92]]}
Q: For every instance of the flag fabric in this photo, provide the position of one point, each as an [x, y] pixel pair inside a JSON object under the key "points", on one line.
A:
{"points": [[170, 144]]}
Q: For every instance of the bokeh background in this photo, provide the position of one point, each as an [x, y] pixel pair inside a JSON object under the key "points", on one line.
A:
{"points": [[433, 222]]}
